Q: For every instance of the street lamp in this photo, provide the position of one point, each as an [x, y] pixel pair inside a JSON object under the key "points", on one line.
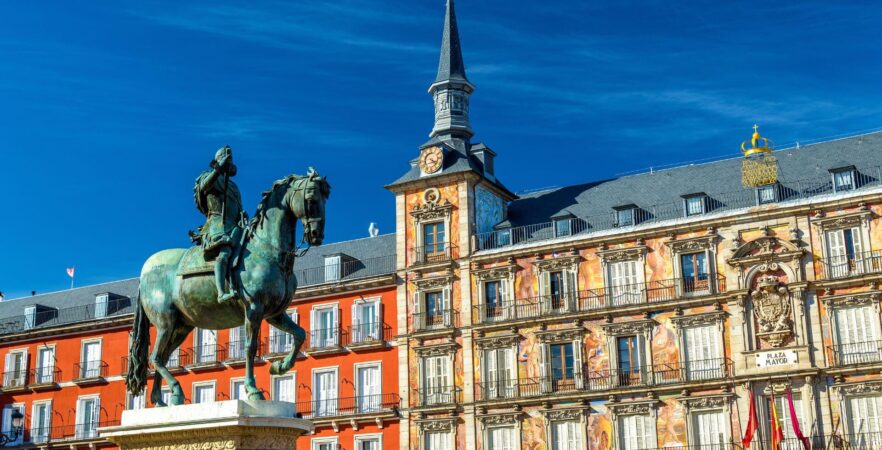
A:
{"points": [[12, 434]]}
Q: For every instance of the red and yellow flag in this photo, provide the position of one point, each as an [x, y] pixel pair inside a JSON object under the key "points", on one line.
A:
{"points": [[777, 431], [752, 423]]}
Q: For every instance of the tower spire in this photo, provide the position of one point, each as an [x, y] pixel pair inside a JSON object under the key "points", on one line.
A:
{"points": [[451, 89]]}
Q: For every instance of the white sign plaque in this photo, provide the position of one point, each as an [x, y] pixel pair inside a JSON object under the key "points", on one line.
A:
{"points": [[776, 358]]}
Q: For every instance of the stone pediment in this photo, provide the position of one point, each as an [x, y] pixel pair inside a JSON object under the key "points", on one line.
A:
{"points": [[764, 250]]}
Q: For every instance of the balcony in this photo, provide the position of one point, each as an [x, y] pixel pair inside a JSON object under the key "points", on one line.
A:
{"points": [[278, 345], [373, 405], [55, 317], [441, 253], [237, 352], [841, 267], [325, 341], [856, 353], [15, 381], [438, 396], [90, 372], [601, 299], [67, 433], [204, 357], [368, 336], [437, 320], [173, 364], [44, 378], [346, 271]]}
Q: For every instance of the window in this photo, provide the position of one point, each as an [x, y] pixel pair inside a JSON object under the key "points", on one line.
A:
{"points": [[437, 312], [865, 421], [562, 227], [368, 390], [624, 283], [711, 430], [696, 205], [557, 290], [433, 241], [237, 343], [324, 392], [695, 273], [101, 305], [30, 317], [845, 252], [91, 360], [332, 268], [502, 438], [843, 180], [783, 410], [204, 393], [366, 321], [767, 194], [41, 422], [237, 390], [500, 375], [324, 444], [280, 341], [436, 380], [16, 363], [324, 327], [566, 435], [438, 440], [88, 413], [628, 353], [563, 370], [165, 392], [856, 333], [626, 217], [174, 359], [703, 353], [283, 388], [636, 433], [206, 346], [136, 401], [45, 365], [7, 422], [492, 299], [367, 443]]}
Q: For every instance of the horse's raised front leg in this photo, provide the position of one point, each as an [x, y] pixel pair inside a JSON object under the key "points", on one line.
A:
{"points": [[253, 319], [166, 341], [286, 324]]}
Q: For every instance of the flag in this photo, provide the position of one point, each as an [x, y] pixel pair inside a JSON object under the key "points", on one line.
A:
{"points": [[70, 272], [776, 431], [752, 423], [794, 422]]}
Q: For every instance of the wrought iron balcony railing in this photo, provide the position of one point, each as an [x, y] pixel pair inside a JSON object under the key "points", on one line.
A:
{"points": [[856, 353], [345, 271], [45, 375], [15, 379], [238, 350], [49, 317], [837, 267], [435, 320], [326, 338], [81, 431], [438, 396], [600, 299], [788, 191], [90, 370], [203, 355], [348, 406], [433, 254], [369, 332]]}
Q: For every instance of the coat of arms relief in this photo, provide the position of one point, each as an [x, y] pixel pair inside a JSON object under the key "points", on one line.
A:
{"points": [[772, 307]]}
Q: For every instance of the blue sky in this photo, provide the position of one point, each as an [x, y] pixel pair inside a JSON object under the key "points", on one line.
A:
{"points": [[110, 109]]}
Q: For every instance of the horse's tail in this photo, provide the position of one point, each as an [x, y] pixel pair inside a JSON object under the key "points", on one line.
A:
{"points": [[136, 378]]}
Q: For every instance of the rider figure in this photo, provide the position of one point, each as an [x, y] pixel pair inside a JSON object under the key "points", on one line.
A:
{"points": [[217, 196]]}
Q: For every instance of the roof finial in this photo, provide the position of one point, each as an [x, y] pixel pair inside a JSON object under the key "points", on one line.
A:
{"points": [[450, 65]]}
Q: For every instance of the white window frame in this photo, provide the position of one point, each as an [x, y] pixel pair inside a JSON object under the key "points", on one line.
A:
{"points": [[273, 389], [373, 405], [80, 430], [849, 417], [702, 200], [447, 360], [35, 426], [274, 346], [133, 400], [39, 374], [629, 214], [234, 391], [359, 438], [681, 325], [364, 332], [201, 355], [315, 443], [333, 268], [332, 406], [569, 268], [642, 329], [834, 305], [20, 378], [773, 188], [493, 388], [87, 368], [202, 384], [514, 429], [237, 349], [101, 304], [618, 293], [860, 221], [324, 340], [506, 278], [836, 174], [30, 317], [563, 226]]}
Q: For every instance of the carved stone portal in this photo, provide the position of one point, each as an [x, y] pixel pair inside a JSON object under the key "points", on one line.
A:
{"points": [[772, 305]]}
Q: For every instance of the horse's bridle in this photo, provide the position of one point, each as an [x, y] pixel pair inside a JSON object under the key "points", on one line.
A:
{"points": [[303, 185]]}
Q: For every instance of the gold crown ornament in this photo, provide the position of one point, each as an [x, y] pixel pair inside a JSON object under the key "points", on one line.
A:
{"points": [[759, 167]]}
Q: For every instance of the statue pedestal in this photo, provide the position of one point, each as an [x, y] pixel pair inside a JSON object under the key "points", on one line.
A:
{"points": [[227, 425]]}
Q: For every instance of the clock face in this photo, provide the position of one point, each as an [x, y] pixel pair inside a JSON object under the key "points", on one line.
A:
{"points": [[431, 160]]}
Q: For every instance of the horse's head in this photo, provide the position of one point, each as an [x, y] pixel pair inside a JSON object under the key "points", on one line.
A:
{"points": [[306, 200]]}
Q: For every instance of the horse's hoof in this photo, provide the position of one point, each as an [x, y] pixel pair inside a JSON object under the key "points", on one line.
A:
{"points": [[256, 396]]}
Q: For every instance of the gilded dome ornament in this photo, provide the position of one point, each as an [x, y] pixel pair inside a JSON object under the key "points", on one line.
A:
{"points": [[759, 167]]}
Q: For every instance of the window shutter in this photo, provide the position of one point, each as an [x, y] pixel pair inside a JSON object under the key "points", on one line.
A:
{"points": [[379, 320], [577, 363], [447, 308], [492, 372], [857, 242], [571, 289], [543, 367]]}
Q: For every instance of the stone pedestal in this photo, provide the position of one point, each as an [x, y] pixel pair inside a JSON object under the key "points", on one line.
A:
{"points": [[228, 425]]}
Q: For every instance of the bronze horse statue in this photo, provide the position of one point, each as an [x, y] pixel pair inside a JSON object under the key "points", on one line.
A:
{"points": [[178, 292]]}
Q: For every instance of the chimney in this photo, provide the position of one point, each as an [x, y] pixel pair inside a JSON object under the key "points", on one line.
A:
{"points": [[33, 293], [483, 154]]}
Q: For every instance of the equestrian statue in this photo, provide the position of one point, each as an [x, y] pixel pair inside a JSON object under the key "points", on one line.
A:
{"points": [[240, 273]]}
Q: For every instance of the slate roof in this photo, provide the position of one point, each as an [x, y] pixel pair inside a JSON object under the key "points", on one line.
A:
{"points": [[450, 66], [719, 179]]}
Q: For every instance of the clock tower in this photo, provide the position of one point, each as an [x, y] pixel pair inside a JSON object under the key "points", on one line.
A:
{"points": [[451, 89]]}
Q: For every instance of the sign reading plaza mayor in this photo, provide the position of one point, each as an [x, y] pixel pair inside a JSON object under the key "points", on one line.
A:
{"points": [[776, 358]]}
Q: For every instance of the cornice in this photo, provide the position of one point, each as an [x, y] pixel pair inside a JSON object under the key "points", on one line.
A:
{"points": [[560, 335], [435, 425], [860, 387], [433, 282], [436, 349], [570, 262], [642, 408], [694, 320], [629, 327], [501, 341], [842, 221], [496, 273], [500, 419], [622, 254], [564, 414], [853, 299], [694, 244], [715, 401]]}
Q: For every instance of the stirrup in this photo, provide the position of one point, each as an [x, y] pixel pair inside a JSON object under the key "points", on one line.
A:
{"points": [[223, 298]]}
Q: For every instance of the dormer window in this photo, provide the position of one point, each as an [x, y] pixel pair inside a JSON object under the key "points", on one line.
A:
{"points": [[767, 194], [30, 317], [562, 227], [626, 215], [843, 179], [696, 204], [332, 268], [101, 305]]}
